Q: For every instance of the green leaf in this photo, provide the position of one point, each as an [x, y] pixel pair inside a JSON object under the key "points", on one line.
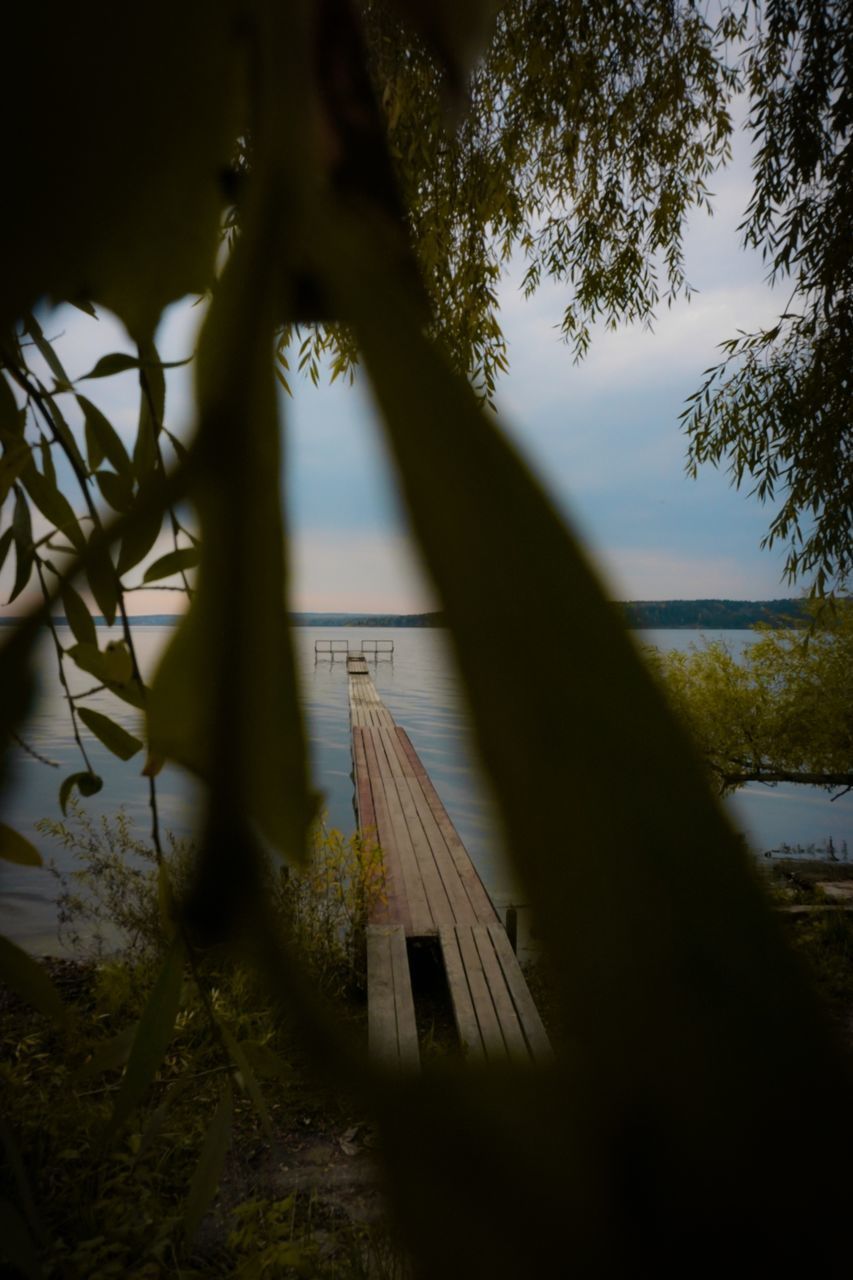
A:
{"points": [[241, 1062], [117, 490], [119, 663], [152, 1037], [16, 1168], [103, 583], [265, 1061], [155, 1124], [139, 540], [166, 901], [79, 618], [112, 735], [152, 385], [16, 848], [94, 452], [225, 703], [102, 440], [110, 1055], [53, 505], [60, 427], [46, 349], [663, 948], [85, 307], [15, 457], [22, 532], [133, 693], [107, 366], [174, 562], [10, 414], [28, 980], [121, 362], [5, 544], [88, 657], [16, 1244], [208, 1171], [88, 784], [47, 466]]}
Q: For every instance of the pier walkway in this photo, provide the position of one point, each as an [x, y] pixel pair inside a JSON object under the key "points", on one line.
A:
{"points": [[432, 891]]}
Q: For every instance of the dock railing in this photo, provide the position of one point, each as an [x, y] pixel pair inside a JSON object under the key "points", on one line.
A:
{"points": [[330, 649], [375, 650]]}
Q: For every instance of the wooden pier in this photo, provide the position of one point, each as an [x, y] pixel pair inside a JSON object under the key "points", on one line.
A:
{"points": [[432, 891]]}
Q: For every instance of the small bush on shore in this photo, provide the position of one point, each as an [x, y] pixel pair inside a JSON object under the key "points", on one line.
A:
{"points": [[94, 1201]]}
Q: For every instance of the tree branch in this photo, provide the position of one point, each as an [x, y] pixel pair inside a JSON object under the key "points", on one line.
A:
{"points": [[784, 775]]}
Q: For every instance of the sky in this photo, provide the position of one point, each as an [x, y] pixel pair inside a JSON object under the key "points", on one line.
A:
{"points": [[603, 436]]}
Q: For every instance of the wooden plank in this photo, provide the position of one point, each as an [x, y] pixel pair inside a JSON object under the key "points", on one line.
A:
{"points": [[421, 895], [381, 1009], [364, 797], [467, 1027], [481, 903], [436, 894], [394, 839], [511, 1030], [397, 905], [392, 1030], [461, 909], [407, 1031], [487, 1018], [528, 1015]]}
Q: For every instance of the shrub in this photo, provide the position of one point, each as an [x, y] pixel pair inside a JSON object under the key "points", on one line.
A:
{"points": [[109, 903]]}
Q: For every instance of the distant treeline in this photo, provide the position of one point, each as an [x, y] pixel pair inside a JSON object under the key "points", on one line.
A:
{"points": [[714, 614], [368, 619], [639, 614]]}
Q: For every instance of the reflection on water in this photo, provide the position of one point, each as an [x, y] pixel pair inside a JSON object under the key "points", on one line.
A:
{"points": [[420, 689]]}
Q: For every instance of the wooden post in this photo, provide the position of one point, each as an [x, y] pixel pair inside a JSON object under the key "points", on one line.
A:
{"points": [[512, 927]]}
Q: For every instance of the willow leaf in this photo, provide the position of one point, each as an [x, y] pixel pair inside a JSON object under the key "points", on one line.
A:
{"points": [[88, 784], [174, 562], [5, 544], [29, 980], [15, 458], [103, 440], [116, 739], [211, 1162], [141, 538], [109, 1055], [48, 469], [53, 505], [113, 666], [154, 1125], [22, 534], [665, 953], [16, 1244], [138, 230], [123, 362], [153, 1034], [224, 701], [116, 489], [16, 848], [250, 1083], [78, 616], [103, 583]]}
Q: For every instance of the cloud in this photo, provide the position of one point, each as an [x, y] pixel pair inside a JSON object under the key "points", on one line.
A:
{"points": [[656, 573], [359, 572]]}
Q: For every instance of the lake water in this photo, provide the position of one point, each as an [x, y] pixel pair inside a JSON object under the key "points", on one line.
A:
{"points": [[422, 692]]}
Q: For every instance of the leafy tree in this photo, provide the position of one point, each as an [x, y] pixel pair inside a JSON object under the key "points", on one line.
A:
{"points": [[592, 132], [692, 1030], [778, 408], [783, 712]]}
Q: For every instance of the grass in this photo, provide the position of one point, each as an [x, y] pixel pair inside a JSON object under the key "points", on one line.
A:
{"points": [[299, 1200]]}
